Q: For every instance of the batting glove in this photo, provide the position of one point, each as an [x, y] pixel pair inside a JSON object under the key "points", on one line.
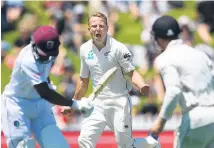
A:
{"points": [[148, 142], [84, 105]]}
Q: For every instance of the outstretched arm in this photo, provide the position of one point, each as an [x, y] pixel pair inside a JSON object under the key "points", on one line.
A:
{"points": [[138, 81], [55, 98], [173, 92], [51, 96]]}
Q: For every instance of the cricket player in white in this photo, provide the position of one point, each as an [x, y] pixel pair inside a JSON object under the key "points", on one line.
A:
{"points": [[188, 77], [112, 106], [25, 101]]}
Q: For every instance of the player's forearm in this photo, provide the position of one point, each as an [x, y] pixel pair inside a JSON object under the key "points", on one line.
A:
{"points": [[158, 84], [137, 80], [158, 127], [51, 96], [204, 33], [170, 101], [81, 88], [56, 98]]}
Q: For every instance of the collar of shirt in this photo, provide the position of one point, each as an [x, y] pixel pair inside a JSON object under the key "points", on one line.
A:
{"points": [[107, 46], [175, 42]]}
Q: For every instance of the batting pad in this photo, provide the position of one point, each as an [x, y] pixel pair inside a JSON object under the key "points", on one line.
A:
{"points": [[51, 137]]}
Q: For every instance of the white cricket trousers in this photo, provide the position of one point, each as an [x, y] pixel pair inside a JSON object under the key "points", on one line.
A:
{"points": [[20, 117], [114, 112], [196, 129]]}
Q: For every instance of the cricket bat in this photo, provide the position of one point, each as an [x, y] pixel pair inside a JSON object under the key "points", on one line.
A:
{"points": [[104, 80]]}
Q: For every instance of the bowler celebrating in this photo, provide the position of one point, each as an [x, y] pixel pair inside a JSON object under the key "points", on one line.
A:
{"points": [[113, 105]]}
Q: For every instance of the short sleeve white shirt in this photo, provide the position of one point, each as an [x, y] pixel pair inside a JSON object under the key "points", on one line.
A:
{"points": [[96, 63]]}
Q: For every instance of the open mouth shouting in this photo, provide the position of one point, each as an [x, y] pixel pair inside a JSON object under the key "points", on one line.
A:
{"points": [[98, 35]]}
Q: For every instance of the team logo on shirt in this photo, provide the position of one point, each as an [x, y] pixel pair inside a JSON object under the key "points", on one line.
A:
{"points": [[127, 56], [16, 123], [90, 55], [106, 54]]}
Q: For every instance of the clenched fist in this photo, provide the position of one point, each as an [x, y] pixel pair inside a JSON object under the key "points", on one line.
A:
{"points": [[144, 90]]}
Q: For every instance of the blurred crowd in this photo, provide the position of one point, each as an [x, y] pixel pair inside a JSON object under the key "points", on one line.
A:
{"points": [[70, 19]]}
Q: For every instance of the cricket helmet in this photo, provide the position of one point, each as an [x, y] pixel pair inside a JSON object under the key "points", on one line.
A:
{"points": [[166, 27], [45, 43]]}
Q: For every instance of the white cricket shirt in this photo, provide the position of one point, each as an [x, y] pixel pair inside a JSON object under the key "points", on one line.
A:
{"points": [[26, 73], [187, 76], [96, 63]]}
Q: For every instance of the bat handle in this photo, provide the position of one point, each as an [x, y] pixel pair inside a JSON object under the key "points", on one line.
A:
{"points": [[92, 96]]}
